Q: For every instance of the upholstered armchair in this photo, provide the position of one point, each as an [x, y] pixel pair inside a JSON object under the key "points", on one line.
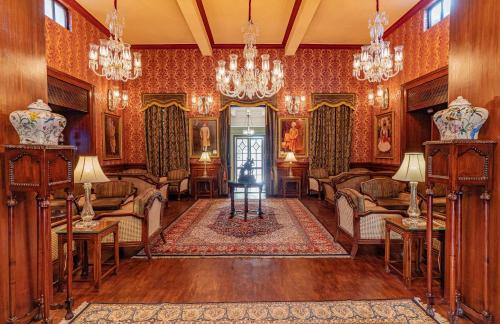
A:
{"points": [[360, 219], [316, 179], [140, 220], [142, 180], [351, 179], [178, 182]]}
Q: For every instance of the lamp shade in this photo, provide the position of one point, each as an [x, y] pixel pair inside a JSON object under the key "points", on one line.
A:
{"points": [[412, 168], [88, 170], [290, 157], [205, 157]]}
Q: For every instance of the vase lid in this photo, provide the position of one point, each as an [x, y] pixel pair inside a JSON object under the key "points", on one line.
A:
{"points": [[39, 105], [460, 102]]}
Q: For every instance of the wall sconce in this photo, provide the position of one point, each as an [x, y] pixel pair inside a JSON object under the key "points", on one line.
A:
{"points": [[117, 99], [379, 97], [203, 104], [294, 104]]}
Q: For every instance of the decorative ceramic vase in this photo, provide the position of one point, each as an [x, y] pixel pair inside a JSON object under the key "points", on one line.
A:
{"points": [[460, 121], [38, 124]]}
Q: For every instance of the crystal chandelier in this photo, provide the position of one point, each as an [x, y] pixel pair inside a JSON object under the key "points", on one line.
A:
{"points": [[376, 63], [112, 58], [249, 130], [203, 104], [294, 104], [249, 81]]}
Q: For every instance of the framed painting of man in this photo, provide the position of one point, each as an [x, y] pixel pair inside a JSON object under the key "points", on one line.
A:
{"points": [[384, 135], [293, 136], [112, 131], [203, 136]]}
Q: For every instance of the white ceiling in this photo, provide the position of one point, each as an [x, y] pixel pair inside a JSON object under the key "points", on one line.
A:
{"points": [[162, 22]]}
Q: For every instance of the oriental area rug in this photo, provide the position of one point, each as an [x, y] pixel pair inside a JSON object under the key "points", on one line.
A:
{"points": [[287, 229], [370, 311]]}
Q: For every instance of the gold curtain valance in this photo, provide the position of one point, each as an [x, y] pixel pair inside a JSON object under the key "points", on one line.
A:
{"points": [[333, 100], [226, 102], [164, 100]]}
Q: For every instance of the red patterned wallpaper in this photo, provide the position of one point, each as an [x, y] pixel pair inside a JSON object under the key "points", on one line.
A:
{"points": [[425, 51], [186, 70], [66, 51]]}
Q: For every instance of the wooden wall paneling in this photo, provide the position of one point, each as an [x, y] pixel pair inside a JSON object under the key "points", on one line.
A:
{"points": [[22, 81], [414, 119], [474, 73], [80, 129]]}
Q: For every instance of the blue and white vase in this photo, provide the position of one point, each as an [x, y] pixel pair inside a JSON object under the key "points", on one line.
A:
{"points": [[38, 124], [460, 121]]}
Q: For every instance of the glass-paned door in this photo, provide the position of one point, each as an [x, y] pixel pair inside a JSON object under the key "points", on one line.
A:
{"points": [[249, 147]]}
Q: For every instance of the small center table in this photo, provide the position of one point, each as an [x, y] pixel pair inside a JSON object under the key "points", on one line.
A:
{"points": [[409, 235], [94, 235], [235, 184], [209, 181], [296, 181]]}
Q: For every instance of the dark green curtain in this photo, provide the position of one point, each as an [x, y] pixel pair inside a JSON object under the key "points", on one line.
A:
{"points": [[330, 138], [271, 151], [225, 159], [166, 139]]}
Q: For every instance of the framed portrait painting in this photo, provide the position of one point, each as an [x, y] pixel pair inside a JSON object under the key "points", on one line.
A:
{"points": [[384, 135], [203, 136], [112, 135], [293, 136]]}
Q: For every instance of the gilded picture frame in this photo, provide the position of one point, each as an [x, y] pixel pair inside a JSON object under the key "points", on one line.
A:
{"points": [[112, 126], [296, 141], [383, 135], [197, 132]]}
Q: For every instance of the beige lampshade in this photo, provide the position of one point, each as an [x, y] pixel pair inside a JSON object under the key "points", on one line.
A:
{"points": [[412, 168], [290, 157], [205, 157], [88, 170]]}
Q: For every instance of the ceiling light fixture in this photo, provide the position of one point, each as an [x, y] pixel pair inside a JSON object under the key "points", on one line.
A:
{"points": [[249, 81], [376, 63], [249, 131], [112, 58]]}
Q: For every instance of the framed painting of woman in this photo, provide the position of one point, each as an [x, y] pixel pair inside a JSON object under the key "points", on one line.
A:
{"points": [[384, 135], [293, 136], [204, 136], [112, 136]]}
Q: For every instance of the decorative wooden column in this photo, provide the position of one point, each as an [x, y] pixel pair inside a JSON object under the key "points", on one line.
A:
{"points": [[459, 164], [40, 169]]}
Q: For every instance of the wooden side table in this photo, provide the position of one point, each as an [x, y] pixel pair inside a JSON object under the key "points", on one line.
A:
{"points": [[209, 181], [291, 180], [94, 235], [410, 235]]}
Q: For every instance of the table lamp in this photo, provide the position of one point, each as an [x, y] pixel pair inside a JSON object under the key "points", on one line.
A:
{"points": [[205, 157], [413, 170], [290, 157], [88, 171]]}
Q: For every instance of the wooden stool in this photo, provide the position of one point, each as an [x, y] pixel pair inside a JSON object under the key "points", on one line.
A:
{"points": [[297, 181]]}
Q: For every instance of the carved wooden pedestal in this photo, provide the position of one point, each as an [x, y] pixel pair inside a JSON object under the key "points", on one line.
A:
{"points": [[40, 169], [460, 164]]}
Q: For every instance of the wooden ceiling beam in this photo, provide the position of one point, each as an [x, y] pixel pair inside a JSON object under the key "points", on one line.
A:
{"points": [[300, 25], [191, 13]]}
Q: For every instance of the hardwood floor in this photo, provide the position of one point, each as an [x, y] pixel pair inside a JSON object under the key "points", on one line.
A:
{"points": [[251, 279]]}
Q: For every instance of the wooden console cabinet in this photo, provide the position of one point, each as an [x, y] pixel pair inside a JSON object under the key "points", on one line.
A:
{"points": [[466, 168], [38, 169]]}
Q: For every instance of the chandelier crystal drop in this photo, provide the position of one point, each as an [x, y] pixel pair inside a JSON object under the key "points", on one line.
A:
{"points": [[376, 63], [112, 58], [249, 81]]}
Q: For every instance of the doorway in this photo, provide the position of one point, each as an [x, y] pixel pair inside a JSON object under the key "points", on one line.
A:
{"points": [[248, 140]]}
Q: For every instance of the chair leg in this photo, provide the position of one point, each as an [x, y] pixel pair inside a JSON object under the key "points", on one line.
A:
{"points": [[163, 237], [354, 249], [147, 250]]}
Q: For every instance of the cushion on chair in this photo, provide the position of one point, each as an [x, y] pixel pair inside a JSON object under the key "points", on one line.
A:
{"points": [[115, 188], [319, 173], [353, 183], [107, 203], [382, 188]]}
